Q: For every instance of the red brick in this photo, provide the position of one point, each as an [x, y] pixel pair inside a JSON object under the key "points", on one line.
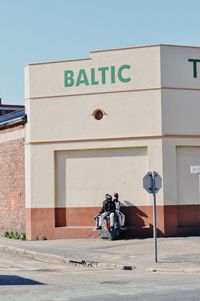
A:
{"points": [[12, 187]]}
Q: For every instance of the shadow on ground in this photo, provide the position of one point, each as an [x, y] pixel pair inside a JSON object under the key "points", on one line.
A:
{"points": [[16, 280]]}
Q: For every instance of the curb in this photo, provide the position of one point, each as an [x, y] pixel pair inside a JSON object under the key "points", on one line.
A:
{"points": [[57, 259], [33, 255]]}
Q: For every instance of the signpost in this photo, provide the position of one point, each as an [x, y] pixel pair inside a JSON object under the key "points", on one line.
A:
{"points": [[152, 183]]}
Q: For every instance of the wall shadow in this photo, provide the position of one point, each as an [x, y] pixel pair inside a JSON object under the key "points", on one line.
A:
{"points": [[138, 221], [135, 217], [17, 280]]}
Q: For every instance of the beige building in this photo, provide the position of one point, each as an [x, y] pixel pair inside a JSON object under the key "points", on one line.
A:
{"points": [[98, 125]]}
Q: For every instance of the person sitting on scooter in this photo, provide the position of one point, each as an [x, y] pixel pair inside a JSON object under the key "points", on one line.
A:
{"points": [[100, 212], [108, 209], [120, 215]]}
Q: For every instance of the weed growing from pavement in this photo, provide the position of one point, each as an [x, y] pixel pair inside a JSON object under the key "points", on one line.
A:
{"points": [[14, 235]]}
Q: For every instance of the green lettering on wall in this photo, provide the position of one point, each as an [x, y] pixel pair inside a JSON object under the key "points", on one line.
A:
{"points": [[120, 75], [194, 61], [103, 74], [82, 78], [69, 78], [93, 80], [112, 69]]}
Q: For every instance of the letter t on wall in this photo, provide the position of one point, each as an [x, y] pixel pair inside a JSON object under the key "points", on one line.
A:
{"points": [[194, 61]]}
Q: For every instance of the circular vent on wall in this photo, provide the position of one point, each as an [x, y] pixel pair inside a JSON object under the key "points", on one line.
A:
{"points": [[98, 114]]}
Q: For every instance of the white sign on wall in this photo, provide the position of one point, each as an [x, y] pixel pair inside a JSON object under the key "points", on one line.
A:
{"points": [[195, 169]]}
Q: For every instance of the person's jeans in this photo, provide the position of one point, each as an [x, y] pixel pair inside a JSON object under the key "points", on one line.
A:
{"points": [[104, 215]]}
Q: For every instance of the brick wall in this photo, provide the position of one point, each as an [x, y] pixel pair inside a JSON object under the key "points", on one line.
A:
{"points": [[12, 187]]}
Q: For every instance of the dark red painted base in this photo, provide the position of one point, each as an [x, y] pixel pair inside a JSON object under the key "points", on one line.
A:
{"points": [[56, 223]]}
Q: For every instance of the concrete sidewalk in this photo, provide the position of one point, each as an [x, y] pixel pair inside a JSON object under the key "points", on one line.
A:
{"points": [[174, 254]]}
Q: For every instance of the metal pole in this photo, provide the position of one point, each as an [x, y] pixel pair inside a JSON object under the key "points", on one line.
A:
{"points": [[154, 218]]}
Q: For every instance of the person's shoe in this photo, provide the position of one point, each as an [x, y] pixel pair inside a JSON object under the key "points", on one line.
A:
{"points": [[99, 228]]}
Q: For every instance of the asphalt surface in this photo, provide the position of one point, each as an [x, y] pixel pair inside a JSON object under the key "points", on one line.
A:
{"points": [[180, 254], [22, 278]]}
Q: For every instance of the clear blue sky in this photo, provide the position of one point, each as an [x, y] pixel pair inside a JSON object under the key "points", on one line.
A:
{"points": [[43, 30]]}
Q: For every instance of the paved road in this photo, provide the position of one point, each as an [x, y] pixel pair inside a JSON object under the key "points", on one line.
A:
{"points": [[26, 279]]}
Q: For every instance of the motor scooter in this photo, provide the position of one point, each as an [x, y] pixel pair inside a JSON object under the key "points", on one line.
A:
{"points": [[106, 232]]}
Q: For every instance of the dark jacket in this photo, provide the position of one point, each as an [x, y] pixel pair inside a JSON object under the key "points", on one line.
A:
{"points": [[108, 206]]}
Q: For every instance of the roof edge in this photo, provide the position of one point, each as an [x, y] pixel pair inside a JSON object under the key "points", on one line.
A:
{"points": [[59, 61], [143, 46], [108, 50]]}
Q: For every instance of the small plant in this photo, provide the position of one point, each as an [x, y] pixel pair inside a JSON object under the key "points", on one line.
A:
{"points": [[6, 234], [15, 235], [22, 236]]}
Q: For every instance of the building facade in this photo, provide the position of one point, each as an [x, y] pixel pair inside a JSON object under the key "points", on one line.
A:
{"points": [[98, 125], [12, 181]]}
